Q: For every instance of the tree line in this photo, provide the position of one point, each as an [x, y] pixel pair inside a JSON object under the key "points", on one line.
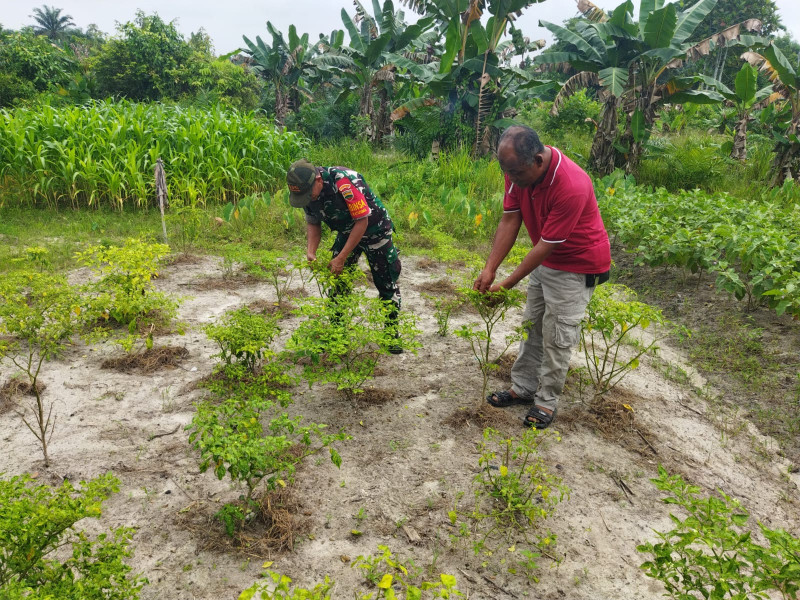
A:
{"points": [[453, 78]]}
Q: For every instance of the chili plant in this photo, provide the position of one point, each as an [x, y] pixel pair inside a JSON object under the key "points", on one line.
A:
{"points": [[343, 337], [276, 271], [246, 438], [611, 316], [39, 314], [513, 496], [279, 589], [492, 307], [386, 572], [37, 525], [244, 337], [712, 554], [124, 293], [443, 309]]}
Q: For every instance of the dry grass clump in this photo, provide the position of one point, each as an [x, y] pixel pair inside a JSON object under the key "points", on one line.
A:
{"points": [[483, 416], [276, 524], [376, 396], [504, 364], [440, 287], [14, 388], [149, 361]]}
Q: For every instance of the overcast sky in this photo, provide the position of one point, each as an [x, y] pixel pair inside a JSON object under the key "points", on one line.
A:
{"points": [[227, 22]]}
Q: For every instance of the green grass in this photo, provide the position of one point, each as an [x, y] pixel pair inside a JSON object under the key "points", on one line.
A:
{"points": [[734, 346]]}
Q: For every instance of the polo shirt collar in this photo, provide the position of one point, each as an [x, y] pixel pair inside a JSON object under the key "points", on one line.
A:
{"points": [[552, 170]]}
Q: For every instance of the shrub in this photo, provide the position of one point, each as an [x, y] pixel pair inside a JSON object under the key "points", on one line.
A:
{"points": [[492, 307], [37, 521], [124, 294], [39, 313], [233, 440], [344, 335], [387, 573], [244, 337], [512, 497], [711, 554], [612, 314], [279, 589]]}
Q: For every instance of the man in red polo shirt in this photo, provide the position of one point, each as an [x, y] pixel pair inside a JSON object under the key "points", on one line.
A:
{"points": [[555, 199]]}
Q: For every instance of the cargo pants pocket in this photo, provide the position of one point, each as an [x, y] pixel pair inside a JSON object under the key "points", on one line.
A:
{"points": [[568, 330]]}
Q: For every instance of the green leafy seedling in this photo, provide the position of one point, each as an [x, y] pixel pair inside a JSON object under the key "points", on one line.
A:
{"points": [[492, 308], [38, 523], [39, 314]]}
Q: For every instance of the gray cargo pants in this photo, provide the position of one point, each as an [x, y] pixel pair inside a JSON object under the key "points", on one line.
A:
{"points": [[556, 304]]}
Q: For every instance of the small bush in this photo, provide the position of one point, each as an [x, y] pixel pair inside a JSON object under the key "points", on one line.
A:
{"points": [[711, 554], [37, 521], [244, 337], [124, 294]]}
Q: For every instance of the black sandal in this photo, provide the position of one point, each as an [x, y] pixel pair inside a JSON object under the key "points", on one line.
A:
{"points": [[504, 398], [543, 419]]}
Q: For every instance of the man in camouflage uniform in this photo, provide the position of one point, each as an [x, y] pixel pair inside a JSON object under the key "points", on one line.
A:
{"points": [[341, 198]]}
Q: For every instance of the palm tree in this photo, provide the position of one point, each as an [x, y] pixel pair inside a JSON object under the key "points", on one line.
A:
{"points": [[473, 75], [786, 87], [630, 61], [374, 42], [744, 97], [50, 22], [288, 63]]}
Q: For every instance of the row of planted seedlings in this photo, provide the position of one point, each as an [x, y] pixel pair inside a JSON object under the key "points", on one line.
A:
{"points": [[751, 248], [242, 431], [41, 313], [338, 341]]}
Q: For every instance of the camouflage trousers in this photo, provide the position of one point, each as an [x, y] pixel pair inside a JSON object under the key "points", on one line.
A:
{"points": [[384, 263]]}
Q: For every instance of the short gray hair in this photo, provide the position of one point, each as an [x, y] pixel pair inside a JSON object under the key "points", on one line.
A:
{"points": [[525, 141]]}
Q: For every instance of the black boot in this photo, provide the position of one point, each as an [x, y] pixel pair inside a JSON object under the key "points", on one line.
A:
{"points": [[392, 319]]}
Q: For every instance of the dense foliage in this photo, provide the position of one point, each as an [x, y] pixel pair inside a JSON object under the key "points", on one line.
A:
{"points": [[104, 154]]}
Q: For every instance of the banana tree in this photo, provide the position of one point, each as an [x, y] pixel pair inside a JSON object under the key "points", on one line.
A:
{"points": [[630, 61], [287, 64], [786, 88], [473, 77], [373, 42], [744, 98]]}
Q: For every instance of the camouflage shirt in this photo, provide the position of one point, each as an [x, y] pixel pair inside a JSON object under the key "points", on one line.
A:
{"points": [[345, 198]]}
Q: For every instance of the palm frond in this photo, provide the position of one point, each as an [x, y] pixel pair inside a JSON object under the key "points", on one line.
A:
{"points": [[582, 80], [592, 12]]}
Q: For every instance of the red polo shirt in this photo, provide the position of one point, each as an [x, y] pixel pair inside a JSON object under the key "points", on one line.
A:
{"points": [[562, 209]]}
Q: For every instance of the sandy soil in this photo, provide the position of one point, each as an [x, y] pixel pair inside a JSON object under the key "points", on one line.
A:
{"points": [[404, 466]]}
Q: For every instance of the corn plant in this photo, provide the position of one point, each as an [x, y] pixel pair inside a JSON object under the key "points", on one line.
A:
{"points": [[492, 308], [611, 317], [711, 554], [103, 154], [38, 530], [39, 314]]}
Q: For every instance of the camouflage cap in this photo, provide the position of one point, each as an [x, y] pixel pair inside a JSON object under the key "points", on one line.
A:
{"points": [[300, 179]]}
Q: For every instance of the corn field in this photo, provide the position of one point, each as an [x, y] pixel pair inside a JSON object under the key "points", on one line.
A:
{"points": [[103, 155]]}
